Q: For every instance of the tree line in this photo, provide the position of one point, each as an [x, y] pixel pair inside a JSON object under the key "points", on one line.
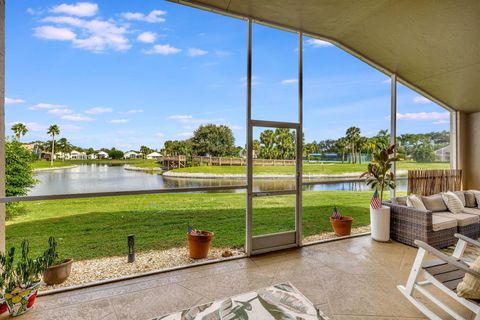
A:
{"points": [[219, 141]]}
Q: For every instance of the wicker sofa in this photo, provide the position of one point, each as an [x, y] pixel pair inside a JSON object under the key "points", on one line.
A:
{"points": [[436, 226]]}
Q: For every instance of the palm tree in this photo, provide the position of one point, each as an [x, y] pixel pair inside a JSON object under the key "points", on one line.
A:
{"points": [[53, 130], [64, 146], [353, 138], [341, 144], [19, 129]]}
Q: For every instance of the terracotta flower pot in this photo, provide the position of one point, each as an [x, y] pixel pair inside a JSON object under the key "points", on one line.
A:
{"points": [[58, 273], [342, 227], [21, 300], [199, 244]]}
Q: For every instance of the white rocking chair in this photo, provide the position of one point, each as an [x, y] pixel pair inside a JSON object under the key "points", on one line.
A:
{"points": [[445, 273]]}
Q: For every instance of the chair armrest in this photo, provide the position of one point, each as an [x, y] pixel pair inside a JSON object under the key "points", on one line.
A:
{"points": [[467, 239], [450, 260], [410, 214]]}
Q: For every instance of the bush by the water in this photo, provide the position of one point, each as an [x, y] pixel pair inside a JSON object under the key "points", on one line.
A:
{"points": [[18, 174]]}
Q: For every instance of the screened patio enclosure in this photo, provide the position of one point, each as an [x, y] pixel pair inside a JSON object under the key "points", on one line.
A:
{"points": [[260, 238]]}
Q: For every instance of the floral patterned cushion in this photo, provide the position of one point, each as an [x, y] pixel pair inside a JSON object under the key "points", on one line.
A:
{"points": [[282, 301]]}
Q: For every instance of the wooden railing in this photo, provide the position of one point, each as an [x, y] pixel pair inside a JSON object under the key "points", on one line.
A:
{"points": [[222, 161], [428, 182]]}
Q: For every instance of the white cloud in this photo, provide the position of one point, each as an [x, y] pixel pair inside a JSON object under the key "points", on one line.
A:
{"points": [[76, 117], [76, 22], [43, 105], [10, 101], [118, 121], [289, 81], [98, 110], [389, 80], [147, 37], [80, 9], [163, 49], [421, 100], [96, 35], [180, 117], [59, 111], [54, 33], [194, 52], [132, 111], [154, 16], [160, 134], [103, 35], [441, 122], [317, 43], [423, 116], [31, 126]]}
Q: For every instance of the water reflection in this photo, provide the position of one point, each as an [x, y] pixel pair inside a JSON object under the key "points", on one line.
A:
{"points": [[102, 178]]}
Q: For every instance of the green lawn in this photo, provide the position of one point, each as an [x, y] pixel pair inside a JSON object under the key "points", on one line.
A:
{"points": [[328, 168], [98, 227], [142, 163]]}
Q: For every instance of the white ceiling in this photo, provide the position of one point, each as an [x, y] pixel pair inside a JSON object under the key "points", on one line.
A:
{"points": [[432, 44]]}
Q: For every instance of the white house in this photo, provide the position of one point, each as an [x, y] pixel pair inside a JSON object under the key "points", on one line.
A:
{"points": [[154, 155], [62, 156], [77, 155], [132, 155], [102, 155], [92, 156]]}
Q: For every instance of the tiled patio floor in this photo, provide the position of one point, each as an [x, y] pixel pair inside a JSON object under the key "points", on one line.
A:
{"points": [[349, 279]]}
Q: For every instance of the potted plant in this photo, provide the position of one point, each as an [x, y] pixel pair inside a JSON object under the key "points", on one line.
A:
{"points": [[380, 178], [20, 281], [57, 270], [199, 243], [342, 226]]}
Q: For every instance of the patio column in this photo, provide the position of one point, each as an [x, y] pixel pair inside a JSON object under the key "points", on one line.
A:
{"points": [[393, 121], [2, 123], [249, 136]]}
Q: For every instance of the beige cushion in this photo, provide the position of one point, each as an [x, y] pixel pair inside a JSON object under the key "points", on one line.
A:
{"points": [[434, 203], [454, 204], [414, 201], [470, 200], [403, 200], [469, 288], [463, 219], [477, 197], [460, 196], [442, 223], [475, 211]]}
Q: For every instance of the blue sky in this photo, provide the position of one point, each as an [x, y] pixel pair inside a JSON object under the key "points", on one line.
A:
{"points": [[128, 73]]}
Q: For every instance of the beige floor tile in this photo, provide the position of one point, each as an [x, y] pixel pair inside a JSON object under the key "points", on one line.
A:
{"points": [[94, 310], [153, 302], [348, 279], [366, 295]]}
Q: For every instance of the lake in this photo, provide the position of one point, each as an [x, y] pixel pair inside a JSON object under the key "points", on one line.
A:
{"points": [[102, 178]]}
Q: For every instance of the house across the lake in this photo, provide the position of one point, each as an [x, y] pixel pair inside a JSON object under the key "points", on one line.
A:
{"points": [[101, 155], [154, 155], [132, 155]]}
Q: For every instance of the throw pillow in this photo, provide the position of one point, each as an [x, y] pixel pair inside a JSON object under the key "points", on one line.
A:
{"points": [[477, 197], [470, 201], [454, 204], [469, 288], [415, 202], [461, 196], [434, 203]]}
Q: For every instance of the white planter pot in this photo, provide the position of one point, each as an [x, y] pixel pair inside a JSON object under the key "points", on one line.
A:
{"points": [[380, 223]]}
